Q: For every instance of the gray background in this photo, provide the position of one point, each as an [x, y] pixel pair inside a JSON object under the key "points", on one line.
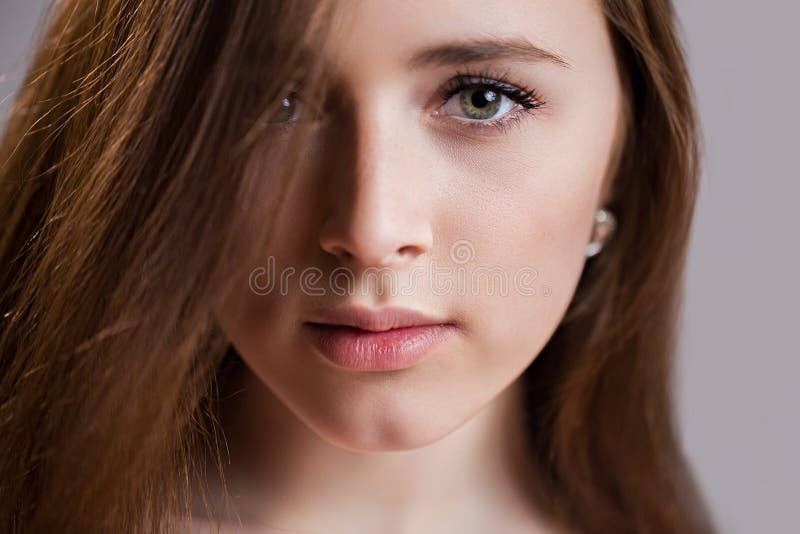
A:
{"points": [[738, 393]]}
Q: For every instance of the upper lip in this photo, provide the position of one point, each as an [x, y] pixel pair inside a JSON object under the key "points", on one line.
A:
{"points": [[377, 320]]}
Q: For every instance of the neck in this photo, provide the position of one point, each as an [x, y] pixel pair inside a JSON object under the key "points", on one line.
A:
{"points": [[283, 474]]}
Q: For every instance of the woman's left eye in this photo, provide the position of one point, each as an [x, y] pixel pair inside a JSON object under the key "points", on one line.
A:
{"points": [[479, 103], [482, 101]]}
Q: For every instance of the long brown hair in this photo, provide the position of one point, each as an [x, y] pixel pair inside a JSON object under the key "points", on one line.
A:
{"points": [[122, 189]]}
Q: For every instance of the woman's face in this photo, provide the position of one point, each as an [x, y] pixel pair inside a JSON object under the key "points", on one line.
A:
{"points": [[457, 176]]}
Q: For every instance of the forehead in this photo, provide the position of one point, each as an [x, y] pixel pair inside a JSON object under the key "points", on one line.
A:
{"points": [[389, 34]]}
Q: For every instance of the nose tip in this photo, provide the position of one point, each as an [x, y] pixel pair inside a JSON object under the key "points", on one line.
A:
{"points": [[367, 242]]}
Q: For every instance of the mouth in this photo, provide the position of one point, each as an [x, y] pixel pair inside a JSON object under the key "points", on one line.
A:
{"points": [[376, 340]]}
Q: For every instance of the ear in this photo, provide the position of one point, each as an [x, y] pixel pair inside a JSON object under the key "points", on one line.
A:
{"points": [[608, 189], [602, 230], [607, 192]]}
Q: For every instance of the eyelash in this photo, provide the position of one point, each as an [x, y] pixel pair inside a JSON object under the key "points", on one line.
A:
{"points": [[529, 99]]}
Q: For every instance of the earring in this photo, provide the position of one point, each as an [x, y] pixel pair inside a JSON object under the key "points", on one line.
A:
{"points": [[604, 225]]}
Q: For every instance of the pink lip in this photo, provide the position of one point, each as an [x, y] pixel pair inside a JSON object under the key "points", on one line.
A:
{"points": [[382, 340]]}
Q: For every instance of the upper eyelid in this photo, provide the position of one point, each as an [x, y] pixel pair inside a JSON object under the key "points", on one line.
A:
{"points": [[471, 81], [529, 99], [490, 74]]}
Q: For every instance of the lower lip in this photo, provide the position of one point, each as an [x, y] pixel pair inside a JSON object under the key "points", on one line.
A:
{"points": [[388, 350]]}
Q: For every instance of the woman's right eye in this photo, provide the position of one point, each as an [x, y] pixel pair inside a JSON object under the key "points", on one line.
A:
{"points": [[289, 109], [293, 108]]}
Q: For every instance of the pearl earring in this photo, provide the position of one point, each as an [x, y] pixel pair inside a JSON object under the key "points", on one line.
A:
{"points": [[604, 225]]}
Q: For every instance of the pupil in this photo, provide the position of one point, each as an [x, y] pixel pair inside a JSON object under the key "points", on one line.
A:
{"points": [[481, 98]]}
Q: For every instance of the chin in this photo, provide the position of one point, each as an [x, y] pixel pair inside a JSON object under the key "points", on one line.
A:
{"points": [[393, 439], [385, 430]]}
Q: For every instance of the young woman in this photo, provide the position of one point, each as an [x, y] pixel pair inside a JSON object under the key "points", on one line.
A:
{"points": [[346, 267]]}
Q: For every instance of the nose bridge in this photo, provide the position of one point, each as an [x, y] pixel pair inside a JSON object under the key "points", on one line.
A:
{"points": [[378, 216], [379, 173]]}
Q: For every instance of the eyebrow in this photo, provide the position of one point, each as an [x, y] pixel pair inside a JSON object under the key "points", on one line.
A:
{"points": [[483, 49]]}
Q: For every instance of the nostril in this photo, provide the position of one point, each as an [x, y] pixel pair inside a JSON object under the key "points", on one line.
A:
{"points": [[409, 251], [340, 252], [345, 256], [373, 256]]}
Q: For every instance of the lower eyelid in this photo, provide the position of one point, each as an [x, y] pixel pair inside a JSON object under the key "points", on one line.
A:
{"points": [[509, 118], [498, 127], [514, 117]]}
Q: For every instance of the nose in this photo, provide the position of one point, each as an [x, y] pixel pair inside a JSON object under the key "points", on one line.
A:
{"points": [[379, 214]]}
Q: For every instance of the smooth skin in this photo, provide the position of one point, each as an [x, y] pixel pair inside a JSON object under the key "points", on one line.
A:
{"points": [[396, 177]]}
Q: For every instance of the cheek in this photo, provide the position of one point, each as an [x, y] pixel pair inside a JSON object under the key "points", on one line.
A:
{"points": [[527, 211], [538, 256]]}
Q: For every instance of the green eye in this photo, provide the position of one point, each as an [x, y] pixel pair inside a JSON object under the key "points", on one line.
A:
{"points": [[480, 102], [485, 99]]}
